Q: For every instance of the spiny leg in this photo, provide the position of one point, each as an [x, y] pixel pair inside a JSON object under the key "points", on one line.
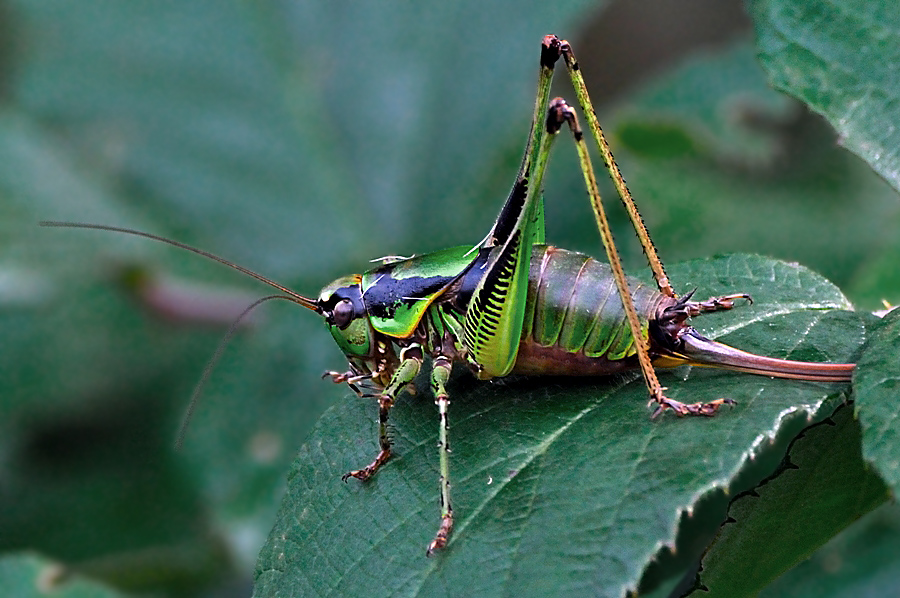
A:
{"points": [[440, 373], [355, 381], [498, 306], [516, 202], [496, 311], [695, 308], [641, 343], [659, 273], [673, 317], [410, 362], [681, 409]]}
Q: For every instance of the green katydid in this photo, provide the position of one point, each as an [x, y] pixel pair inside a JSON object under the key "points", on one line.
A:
{"points": [[513, 305]]}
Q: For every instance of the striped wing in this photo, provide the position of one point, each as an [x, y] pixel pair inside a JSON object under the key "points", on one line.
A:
{"points": [[493, 325]]}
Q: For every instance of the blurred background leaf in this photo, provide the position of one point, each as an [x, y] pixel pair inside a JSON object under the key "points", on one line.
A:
{"points": [[840, 59], [302, 140], [862, 561], [30, 576]]}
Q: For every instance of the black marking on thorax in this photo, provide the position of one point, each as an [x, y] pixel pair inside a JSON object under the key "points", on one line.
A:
{"points": [[465, 286], [513, 207], [388, 293]]}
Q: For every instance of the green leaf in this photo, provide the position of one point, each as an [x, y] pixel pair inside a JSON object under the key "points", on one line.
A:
{"points": [[823, 486], [839, 57], [876, 383], [558, 485]]}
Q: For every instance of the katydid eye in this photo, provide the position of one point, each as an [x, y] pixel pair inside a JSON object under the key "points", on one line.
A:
{"points": [[343, 313]]}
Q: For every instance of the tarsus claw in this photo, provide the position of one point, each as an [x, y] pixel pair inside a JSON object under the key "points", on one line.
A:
{"points": [[681, 409]]}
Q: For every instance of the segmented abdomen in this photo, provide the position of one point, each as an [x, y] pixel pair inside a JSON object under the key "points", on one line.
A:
{"points": [[574, 320]]}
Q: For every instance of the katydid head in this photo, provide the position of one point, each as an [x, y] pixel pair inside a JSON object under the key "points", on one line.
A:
{"points": [[369, 353], [345, 314]]}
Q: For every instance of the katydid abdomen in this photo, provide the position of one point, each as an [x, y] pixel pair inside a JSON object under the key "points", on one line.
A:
{"points": [[574, 320], [575, 325]]}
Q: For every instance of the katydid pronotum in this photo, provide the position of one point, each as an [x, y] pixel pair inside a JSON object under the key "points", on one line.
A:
{"points": [[513, 305]]}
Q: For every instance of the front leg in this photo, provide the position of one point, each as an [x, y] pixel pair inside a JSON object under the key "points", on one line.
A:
{"points": [[440, 373], [410, 362]]}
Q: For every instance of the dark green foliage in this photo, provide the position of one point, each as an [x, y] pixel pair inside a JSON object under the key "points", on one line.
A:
{"points": [[822, 487]]}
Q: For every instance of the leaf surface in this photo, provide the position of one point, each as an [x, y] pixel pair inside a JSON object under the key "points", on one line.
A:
{"points": [[823, 486], [558, 485]]}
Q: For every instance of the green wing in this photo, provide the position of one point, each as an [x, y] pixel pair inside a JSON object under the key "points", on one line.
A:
{"points": [[397, 294]]}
